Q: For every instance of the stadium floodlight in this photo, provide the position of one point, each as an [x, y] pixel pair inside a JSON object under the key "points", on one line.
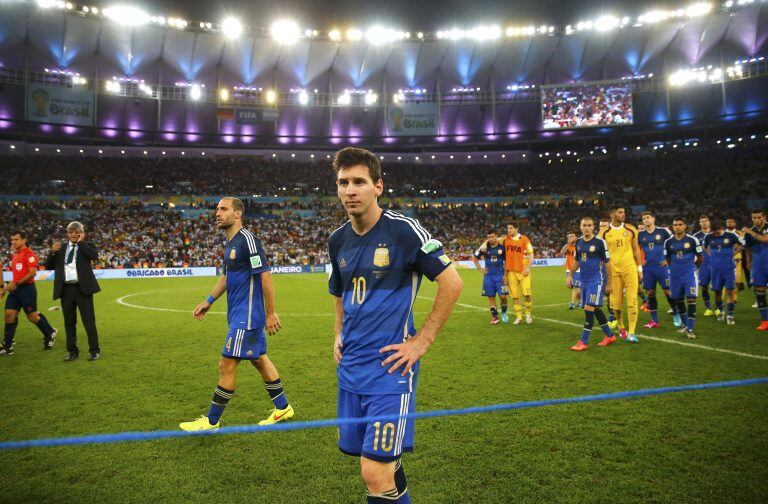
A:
{"points": [[605, 23], [353, 34], [698, 9], [271, 97], [46, 4], [334, 35], [344, 99], [231, 28], [483, 33], [378, 35], [285, 31], [303, 97], [195, 92], [224, 94], [127, 15], [371, 98], [420, 35], [112, 86], [399, 97]]}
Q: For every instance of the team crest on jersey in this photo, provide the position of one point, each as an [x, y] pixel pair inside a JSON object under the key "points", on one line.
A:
{"points": [[232, 254], [591, 248], [381, 257], [658, 237], [343, 263], [19, 266], [687, 245]]}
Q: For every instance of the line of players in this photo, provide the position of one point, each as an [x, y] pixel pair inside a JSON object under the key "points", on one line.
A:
{"points": [[624, 257], [675, 261]]}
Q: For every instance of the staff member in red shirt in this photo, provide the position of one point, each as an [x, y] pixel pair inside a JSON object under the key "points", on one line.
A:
{"points": [[22, 295]]}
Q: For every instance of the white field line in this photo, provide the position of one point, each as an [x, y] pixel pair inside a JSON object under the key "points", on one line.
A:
{"points": [[644, 336]]}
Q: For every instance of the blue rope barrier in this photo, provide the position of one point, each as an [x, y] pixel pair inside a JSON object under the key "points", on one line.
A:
{"points": [[314, 424]]}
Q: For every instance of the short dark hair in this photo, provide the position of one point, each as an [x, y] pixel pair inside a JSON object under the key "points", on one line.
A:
{"points": [[492, 231], [617, 207], [757, 211], [21, 234], [647, 212], [353, 156], [716, 225], [513, 223], [678, 219], [703, 216]]}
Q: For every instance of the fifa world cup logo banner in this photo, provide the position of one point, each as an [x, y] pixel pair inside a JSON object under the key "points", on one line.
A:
{"points": [[57, 105], [41, 99], [412, 119]]}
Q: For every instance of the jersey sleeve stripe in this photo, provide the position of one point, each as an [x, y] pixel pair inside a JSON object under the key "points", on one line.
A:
{"points": [[249, 239], [416, 223], [420, 234]]}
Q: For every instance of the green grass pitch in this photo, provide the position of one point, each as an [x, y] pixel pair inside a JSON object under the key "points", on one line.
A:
{"points": [[159, 368]]}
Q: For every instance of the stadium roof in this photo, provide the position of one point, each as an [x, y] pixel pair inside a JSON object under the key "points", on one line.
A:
{"points": [[69, 38]]}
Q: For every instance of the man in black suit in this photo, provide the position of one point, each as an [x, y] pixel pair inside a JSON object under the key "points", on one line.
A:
{"points": [[75, 284]]}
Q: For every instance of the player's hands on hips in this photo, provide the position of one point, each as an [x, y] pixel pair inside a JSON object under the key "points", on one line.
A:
{"points": [[56, 247], [273, 323], [337, 348], [201, 310], [406, 354]]}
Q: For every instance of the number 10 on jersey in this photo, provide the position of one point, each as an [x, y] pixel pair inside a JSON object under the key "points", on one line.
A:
{"points": [[358, 290]]}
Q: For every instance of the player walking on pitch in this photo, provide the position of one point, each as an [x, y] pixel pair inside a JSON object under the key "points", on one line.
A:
{"points": [[494, 279], [247, 281], [378, 258]]}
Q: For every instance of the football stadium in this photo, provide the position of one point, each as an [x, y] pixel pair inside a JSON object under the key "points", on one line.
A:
{"points": [[544, 220]]}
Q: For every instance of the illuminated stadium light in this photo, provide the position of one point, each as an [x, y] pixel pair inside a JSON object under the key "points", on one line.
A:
{"points": [[398, 97], [195, 92], [127, 15], [303, 97], [698, 9], [378, 35], [224, 94], [483, 33], [371, 98], [231, 28], [605, 23], [334, 35], [345, 99], [112, 86], [353, 34], [46, 4], [285, 31], [271, 97], [651, 17], [420, 35], [177, 23]]}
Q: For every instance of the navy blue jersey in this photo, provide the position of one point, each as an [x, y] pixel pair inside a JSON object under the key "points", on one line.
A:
{"points": [[720, 249], [653, 245], [701, 236], [494, 259], [592, 256], [759, 250], [244, 261], [681, 255], [377, 275]]}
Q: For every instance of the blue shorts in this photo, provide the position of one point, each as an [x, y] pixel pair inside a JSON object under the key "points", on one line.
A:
{"points": [[244, 344], [705, 275], [576, 283], [655, 275], [723, 278], [383, 440], [23, 298], [759, 276], [493, 285], [592, 293], [684, 287]]}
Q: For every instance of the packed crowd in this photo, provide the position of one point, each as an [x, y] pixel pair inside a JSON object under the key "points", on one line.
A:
{"points": [[585, 106], [549, 200]]}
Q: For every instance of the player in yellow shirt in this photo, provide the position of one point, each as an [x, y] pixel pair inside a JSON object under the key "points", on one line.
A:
{"points": [[519, 256], [626, 269]]}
